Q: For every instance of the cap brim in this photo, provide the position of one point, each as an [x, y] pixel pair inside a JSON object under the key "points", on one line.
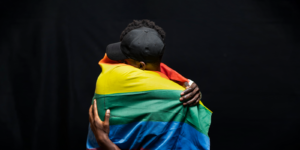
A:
{"points": [[114, 51]]}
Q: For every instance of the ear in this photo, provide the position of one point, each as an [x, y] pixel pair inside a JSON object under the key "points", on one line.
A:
{"points": [[142, 65]]}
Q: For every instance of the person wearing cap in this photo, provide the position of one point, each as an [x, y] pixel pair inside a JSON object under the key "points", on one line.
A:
{"points": [[136, 50], [142, 47]]}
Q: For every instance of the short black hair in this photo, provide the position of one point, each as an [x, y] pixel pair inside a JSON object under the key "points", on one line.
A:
{"points": [[143, 23]]}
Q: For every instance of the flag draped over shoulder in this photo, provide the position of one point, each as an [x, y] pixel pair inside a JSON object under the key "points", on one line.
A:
{"points": [[145, 111]]}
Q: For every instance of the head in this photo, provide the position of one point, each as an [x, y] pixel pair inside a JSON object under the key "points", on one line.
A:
{"points": [[151, 39], [143, 23]]}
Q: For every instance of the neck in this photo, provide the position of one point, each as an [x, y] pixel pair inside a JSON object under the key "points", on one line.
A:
{"points": [[153, 67]]}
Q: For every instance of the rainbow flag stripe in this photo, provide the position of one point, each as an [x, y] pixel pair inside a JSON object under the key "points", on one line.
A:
{"points": [[146, 113]]}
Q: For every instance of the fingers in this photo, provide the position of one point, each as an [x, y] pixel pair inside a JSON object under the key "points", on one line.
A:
{"points": [[91, 114], [107, 116], [95, 111], [189, 95], [193, 100], [187, 90], [195, 103]]}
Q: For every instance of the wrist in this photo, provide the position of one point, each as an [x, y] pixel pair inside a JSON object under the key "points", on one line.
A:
{"points": [[106, 143], [102, 140]]}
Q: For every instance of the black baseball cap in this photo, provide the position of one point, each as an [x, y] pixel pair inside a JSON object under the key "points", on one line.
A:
{"points": [[141, 44]]}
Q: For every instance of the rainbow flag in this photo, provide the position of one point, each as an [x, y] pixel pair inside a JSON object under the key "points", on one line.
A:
{"points": [[146, 113]]}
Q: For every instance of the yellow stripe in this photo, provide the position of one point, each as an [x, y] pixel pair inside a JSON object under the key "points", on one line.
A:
{"points": [[205, 106], [120, 78]]}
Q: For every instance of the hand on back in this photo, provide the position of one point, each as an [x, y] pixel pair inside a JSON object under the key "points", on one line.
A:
{"points": [[191, 95]]}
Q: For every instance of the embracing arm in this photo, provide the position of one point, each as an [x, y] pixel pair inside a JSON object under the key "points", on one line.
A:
{"points": [[101, 128]]}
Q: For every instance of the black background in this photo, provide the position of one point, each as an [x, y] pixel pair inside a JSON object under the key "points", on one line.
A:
{"points": [[243, 54]]}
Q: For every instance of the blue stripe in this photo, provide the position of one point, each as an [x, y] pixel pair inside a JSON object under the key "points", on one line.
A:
{"points": [[154, 135]]}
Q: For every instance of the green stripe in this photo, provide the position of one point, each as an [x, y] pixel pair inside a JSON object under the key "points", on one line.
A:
{"points": [[155, 105]]}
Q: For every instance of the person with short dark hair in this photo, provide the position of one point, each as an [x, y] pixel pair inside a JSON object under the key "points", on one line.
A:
{"points": [[137, 89]]}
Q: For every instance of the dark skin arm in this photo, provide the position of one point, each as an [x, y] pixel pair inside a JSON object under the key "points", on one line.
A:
{"points": [[101, 128]]}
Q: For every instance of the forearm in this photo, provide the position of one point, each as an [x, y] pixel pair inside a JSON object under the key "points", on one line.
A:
{"points": [[106, 144]]}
